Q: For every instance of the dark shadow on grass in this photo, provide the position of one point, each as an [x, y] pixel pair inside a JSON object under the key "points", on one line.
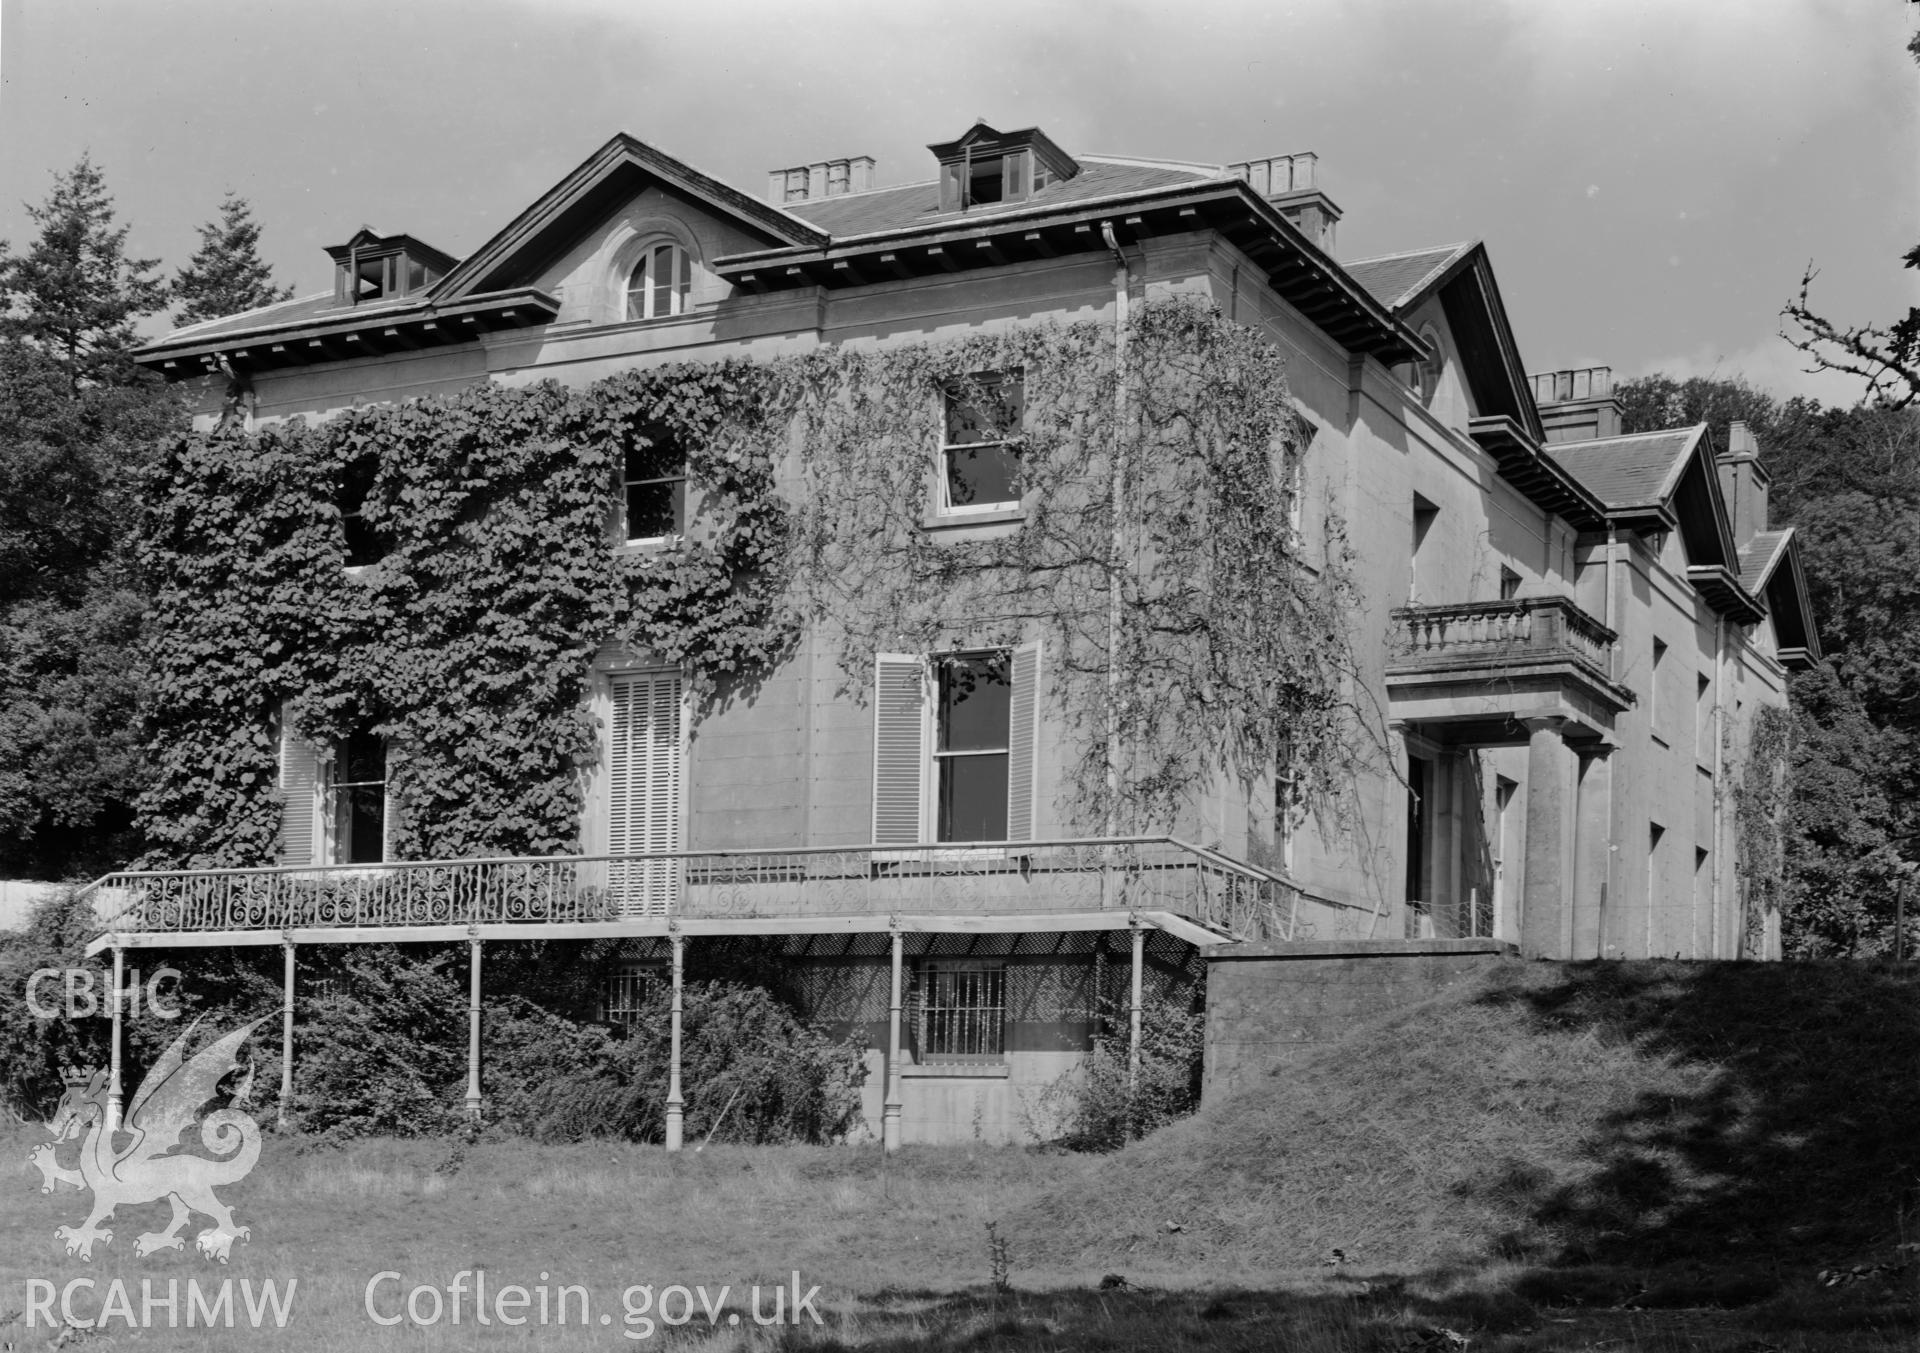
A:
{"points": [[1804, 1145], [1345, 1314]]}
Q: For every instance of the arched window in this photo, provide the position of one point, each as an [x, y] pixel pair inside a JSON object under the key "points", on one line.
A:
{"points": [[1426, 378], [661, 283]]}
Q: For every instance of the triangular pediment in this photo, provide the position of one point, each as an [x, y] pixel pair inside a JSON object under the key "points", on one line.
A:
{"points": [[1700, 510], [1461, 275], [613, 175]]}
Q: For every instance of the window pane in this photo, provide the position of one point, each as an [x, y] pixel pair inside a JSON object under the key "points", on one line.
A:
{"points": [[363, 760], [654, 509], [364, 544], [660, 458], [987, 181], [662, 279], [416, 274], [987, 409], [683, 282], [366, 814], [980, 475], [974, 702], [952, 179], [973, 797], [1016, 175]]}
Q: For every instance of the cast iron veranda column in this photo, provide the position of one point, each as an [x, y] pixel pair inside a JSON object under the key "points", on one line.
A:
{"points": [[1133, 1011], [114, 1100], [676, 1104], [890, 1109], [286, 1041], [473, 1030]]}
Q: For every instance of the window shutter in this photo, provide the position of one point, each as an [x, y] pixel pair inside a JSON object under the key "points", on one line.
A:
{"points": [[1023, 743], [390, 823], [899, 753], [644, 779], [300, 795]]}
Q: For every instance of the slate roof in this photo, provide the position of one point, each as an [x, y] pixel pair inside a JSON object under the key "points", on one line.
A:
{"points": [[1638, 470], [318, 306], [1758, 557], [1395, 279], [907, 205]]}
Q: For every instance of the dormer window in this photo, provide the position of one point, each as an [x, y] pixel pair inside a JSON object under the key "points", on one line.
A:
{"points": [[986, 166], [372, 267]]}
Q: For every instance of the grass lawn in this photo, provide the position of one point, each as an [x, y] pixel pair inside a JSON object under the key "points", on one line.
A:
{"points": [[1567, 1158]]}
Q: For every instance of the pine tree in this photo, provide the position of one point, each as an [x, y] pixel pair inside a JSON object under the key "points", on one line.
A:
{"points": [[227, 275], [79, 424], [75, 294]]}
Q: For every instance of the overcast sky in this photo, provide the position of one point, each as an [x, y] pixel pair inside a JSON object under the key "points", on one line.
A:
{"points": [[1650, 178]]}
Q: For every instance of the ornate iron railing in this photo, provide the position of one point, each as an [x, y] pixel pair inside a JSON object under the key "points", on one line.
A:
{"points": [[1026, 877], [1482, 634]]}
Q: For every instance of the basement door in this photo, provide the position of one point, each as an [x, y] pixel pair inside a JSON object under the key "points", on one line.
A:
{"points": [[646, 786]]}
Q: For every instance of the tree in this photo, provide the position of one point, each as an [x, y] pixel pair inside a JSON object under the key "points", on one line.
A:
{"points": [[226, 275], [1844, 824], [1849, 481], [75, 294], [1885, 356], [78, 424], [1811, 452]]}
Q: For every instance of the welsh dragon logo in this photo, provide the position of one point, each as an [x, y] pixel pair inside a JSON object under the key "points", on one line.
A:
{"points": [[167, 1103]]}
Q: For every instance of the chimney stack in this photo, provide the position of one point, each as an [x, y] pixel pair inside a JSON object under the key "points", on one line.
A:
{"points": [[1743, 483], [822, 178], [1576, 404], [1291, 183]]}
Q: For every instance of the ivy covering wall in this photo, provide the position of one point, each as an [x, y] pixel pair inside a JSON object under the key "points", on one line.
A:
{"points": [[1763, 795], [468, 645]]}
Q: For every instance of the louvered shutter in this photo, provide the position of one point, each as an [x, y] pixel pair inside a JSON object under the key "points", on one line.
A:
{"points": [[300, 793], [899, 753], [644, 774], [390, 803], [1023, 743]]}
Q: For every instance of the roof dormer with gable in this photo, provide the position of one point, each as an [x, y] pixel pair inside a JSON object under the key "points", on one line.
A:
{"points": [[1671, 483]]}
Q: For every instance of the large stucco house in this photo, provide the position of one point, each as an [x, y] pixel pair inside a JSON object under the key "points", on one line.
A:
{"points": [[1566, 633]]}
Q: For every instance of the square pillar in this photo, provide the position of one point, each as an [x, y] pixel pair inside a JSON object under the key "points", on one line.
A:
{"points": [[1547, 905], [1593, 883]]}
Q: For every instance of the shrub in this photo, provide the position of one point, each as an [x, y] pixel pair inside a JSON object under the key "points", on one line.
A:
{"points": [[384, 1051], [750, 1071], [381, 1048], [1102, 1107], [33, 1050]]}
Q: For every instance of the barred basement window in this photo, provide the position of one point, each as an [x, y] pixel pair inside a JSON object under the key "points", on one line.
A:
{"points": [[963, 1011], [627, 991]]}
